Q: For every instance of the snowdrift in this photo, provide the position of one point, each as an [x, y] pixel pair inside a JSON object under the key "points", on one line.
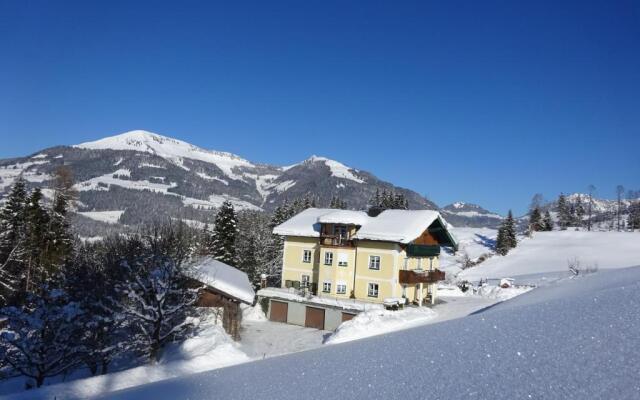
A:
{"points": [[574, 339]]}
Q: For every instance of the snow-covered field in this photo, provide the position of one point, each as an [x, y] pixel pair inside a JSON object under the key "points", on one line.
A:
{"points": [[550, 252], [575, 339], [109, 217]]}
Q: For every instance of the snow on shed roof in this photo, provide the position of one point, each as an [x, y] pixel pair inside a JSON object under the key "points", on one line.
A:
{"points": [[400, 226], [222, 277]]}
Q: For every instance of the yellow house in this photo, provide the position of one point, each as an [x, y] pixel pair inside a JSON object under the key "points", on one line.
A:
{"points": [[381, 258]]}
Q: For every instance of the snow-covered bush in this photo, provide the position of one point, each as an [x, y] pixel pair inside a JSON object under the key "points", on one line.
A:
{"points": [[156, 300], [40, 338]]}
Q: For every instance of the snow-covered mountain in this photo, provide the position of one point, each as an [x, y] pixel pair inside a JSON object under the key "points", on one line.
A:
{"points": [[170, 149], [139, 175], [462, 214]]}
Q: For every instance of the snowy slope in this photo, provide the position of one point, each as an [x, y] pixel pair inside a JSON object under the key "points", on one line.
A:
{"points": [[473, 242], [550, 252], [168, 148], [573, 340]]}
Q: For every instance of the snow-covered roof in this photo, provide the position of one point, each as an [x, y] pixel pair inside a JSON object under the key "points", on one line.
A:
{"points": [[222, 277], [401, 226], [304, 223], [344, 217]]}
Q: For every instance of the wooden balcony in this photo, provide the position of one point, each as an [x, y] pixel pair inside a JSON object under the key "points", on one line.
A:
{"points": [[417, 276], [423, 250], [336, 241]]}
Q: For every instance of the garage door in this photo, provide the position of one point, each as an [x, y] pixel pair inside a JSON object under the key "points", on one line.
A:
{"points": [[314, 318], [347, 316], [279, 311]]}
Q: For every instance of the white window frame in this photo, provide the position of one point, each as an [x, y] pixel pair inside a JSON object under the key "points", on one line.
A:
{"points": [[343, 286], [306, 252], [343, 263], [305, 282], [326, 287], [328, 255], [371, 292], [372, 263]]}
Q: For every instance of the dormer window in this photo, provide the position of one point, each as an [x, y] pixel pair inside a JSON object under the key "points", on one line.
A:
{"points": [[340, 231]]}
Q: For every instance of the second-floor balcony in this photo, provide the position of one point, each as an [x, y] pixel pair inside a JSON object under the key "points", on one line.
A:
{"points": [[336, 240], [410, 277]]}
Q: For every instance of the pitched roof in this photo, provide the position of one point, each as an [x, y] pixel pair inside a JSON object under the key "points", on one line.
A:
{"points": [[222, 277], [400, 226]]}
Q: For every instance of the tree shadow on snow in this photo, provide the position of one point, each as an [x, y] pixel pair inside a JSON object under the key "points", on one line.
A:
{"points": [[486, 241]]}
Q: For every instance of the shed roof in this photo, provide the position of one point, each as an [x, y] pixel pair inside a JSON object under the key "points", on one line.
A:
{"points": [[222, 277]]}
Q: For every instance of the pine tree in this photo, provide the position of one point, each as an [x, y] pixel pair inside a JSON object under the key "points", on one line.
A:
{"points": [[225, 233], [620, 196], [337, 203], [376, 199], [580, 211], [501, 243], [564, 214], [547, 221], [37, 220], [59, 240], [12, 242], [510, 231], [506, 239], [535, 220], [634, 216], [592, 189]]}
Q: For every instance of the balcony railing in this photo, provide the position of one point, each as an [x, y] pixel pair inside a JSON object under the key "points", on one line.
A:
{"points": [[419, 276], [423, 250], [332, 240]]}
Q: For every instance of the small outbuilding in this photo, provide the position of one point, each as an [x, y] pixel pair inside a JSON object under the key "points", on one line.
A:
{"points": [[506, 283], [223, 286]]}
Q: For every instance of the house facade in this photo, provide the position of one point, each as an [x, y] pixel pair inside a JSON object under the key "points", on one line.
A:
{"points": [[355, 255]]}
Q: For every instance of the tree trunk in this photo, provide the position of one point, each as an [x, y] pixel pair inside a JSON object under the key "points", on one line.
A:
{"points": [[105, 366], [39, 380]]}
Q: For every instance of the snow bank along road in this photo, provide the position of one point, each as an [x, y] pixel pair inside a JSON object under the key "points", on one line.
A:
{"points": [[576, 339]]}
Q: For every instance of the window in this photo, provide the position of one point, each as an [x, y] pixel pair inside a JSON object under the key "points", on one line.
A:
{"points": [[326, 287], [328, 258], [306, 256], [340, 231], [373, 290], [343, 259], [305, 281], [374, 262], [341, 288]]}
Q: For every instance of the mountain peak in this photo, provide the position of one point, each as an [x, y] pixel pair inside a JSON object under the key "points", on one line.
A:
{"points": [[173, 150], [338, 169]]}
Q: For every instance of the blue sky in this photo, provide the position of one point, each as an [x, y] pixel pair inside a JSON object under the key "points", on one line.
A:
{"points": [[486, 102]]}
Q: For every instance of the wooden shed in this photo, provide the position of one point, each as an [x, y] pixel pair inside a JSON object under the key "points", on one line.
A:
{"points": [[223, 286]]}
